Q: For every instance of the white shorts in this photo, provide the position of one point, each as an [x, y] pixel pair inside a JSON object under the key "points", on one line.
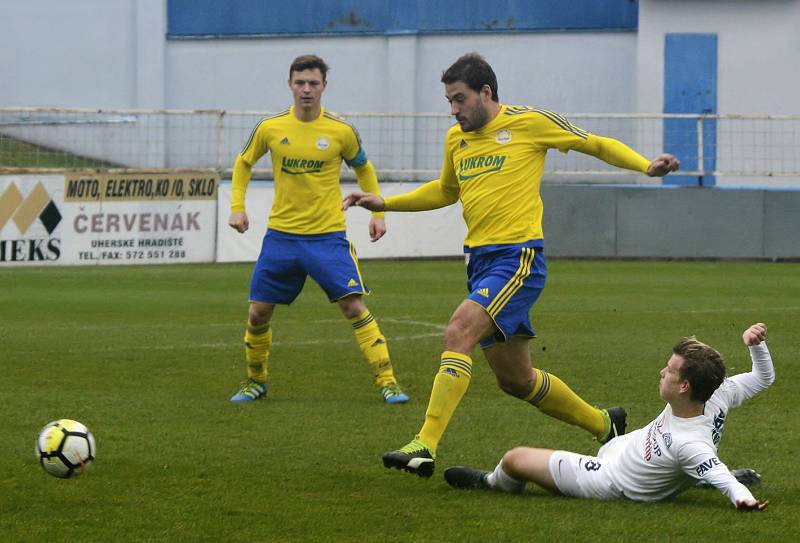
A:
{"points": [[582, 476]]}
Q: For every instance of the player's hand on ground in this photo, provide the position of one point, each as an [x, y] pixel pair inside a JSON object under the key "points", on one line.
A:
{"points": [[377, 228], [662, 165], [751, 505], [755, 334], [363, 199], [239, 221]]}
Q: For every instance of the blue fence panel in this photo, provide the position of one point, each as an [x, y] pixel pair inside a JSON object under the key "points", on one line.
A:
{"points": [[690, 86], [241, 18]]}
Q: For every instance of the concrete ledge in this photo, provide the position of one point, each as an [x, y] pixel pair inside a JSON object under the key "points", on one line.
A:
{"points": [[580, 221], [665, 222]]}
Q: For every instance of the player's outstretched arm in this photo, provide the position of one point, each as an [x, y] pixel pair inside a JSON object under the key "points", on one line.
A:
{"points": [[755, 334], [723, 480], [616, 153], [762, 374], [751, 505], [432, 195], [367, 200], [662, 165]]}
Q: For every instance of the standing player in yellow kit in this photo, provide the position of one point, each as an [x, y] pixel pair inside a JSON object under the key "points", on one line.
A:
{"points": [[306, 229], [494, 159]]}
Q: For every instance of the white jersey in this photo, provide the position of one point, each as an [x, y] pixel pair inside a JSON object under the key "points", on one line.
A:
{"points": [[671, 453]]}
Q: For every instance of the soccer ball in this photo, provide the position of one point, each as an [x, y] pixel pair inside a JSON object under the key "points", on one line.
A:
{"points": [[65, 448]]}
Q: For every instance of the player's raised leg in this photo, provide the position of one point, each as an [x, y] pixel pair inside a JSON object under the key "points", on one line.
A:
{"points": [[467, 325], [506, 287], [257, 343], [511, 363]]}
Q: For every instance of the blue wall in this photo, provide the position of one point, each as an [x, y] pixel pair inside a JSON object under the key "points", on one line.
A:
{"points": [[690, 86], [240, 18]]}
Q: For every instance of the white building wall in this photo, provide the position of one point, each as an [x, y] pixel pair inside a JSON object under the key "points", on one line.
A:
{"points": [[566, 72], [252, 74], [105, 55], [95, 53], [90, 53], [758, 52]]}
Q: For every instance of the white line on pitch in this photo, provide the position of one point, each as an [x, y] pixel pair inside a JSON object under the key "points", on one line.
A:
{"points": [[237, 324], [440, 327], [225, 345]]}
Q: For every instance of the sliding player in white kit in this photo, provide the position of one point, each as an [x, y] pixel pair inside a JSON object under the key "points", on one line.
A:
{"points": [[672, 453]]}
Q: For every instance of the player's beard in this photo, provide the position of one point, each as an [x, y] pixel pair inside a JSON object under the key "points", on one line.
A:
{"points": [[478, 119]]}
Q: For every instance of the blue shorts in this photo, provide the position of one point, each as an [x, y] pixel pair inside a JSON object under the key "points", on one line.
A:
{"points": [[287, 259], [506, 280]]}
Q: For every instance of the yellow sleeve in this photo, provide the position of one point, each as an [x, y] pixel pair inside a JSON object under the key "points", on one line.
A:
{"points": [[614, 152], [239, 182], [432, 195], [552, 131], [368, 181], [254, 149], [352, 151], [448, 177]]}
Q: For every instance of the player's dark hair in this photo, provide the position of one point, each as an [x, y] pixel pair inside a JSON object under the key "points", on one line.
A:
{"points": [[702, 366], [474, 71], [308, 62]]}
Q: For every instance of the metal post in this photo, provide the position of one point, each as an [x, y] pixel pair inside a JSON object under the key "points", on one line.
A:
{"points": [[220, 126], [700, 167]]}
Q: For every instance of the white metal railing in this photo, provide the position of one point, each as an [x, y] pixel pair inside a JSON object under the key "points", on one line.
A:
{"points": [[759, 149]]}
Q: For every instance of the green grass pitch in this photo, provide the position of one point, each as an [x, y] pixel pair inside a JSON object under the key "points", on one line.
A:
{"points": [[20, 154], [147, 357]]}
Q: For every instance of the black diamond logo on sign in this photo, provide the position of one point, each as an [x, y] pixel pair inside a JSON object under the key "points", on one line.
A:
{"points": [[50, 217]]}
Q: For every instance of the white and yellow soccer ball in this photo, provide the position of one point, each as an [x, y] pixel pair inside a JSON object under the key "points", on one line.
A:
{"points": [[65, 448]]}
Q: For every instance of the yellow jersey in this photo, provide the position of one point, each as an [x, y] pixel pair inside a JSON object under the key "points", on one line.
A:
{"points": [[306, 163], [497, 171]]}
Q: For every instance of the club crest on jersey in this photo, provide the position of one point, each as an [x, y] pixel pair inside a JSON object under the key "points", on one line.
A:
{"points": [[503, 136], [322, 143], [667, 439]]}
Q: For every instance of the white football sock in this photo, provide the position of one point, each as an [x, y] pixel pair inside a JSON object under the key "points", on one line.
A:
{"points": [[500, 480]]}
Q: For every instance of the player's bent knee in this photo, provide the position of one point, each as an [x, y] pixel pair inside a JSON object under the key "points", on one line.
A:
{"points": [[352, 305], [457, 338], [514, 387], [259, 314], [513, 460]]}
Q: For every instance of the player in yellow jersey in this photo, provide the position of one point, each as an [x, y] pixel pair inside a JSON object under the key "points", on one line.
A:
{"points": [[493, 163], [306, 229]]}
